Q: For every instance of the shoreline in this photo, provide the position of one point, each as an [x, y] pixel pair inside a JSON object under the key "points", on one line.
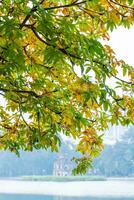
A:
{"points": [[65, 178]]}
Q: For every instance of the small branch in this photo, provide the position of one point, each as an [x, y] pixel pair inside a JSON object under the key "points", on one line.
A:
{"points": [[39, 37], [21, 91], [66, 6], [32, 93], [15, 101], [2, 60], [127, 82], [122, 5], [9, 118], [6, 127], [123, 15], [63, 50], [91, 120], [34, 9], [24, 118], [104, 65], [82, 9], [93, 11], [2, 94], [38, 119], [115, 99], [26, 53]]}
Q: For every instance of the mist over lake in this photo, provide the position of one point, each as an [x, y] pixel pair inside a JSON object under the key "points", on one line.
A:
{"points": [[29, 190]]}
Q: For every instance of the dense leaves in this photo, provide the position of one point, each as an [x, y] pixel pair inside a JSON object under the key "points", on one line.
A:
{"points": [[55, 74]]}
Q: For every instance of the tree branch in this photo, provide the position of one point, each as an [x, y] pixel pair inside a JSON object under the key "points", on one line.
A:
{"points": [[127, 82], [21, 91], [75, 3], [27, 92], [63, 50], [21, 114], [115, 99], [122, 14], [34, 9], [122, 5]]}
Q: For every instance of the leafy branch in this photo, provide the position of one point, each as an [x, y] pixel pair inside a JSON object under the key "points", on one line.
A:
{"points": [[34, 9], [105, 66], [122, 5], [75, 3], [63, 50], [32, 93], [21, 114]]}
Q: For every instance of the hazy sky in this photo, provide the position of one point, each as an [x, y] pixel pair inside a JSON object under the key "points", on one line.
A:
{"points": [[122, 42]]}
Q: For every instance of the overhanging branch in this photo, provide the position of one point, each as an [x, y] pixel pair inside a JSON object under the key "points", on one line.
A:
{"points": [[63, 50], [34, 9], [75, 3], [32, 93], [104, 65], [122, 5]]}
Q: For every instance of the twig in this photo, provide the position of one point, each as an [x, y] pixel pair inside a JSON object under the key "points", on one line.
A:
{"points": [[34, 9], [122, 5], [66, 6], [20, 110]]}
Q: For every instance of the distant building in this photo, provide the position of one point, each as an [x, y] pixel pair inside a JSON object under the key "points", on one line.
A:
{"points": [[62, 166]]}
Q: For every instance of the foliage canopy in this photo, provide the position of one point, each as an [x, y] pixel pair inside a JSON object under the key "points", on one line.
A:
{"points": [[43, 45]]}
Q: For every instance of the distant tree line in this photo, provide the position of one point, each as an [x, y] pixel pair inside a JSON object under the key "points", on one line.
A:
{"points": [[116, 160], [38, 162]]}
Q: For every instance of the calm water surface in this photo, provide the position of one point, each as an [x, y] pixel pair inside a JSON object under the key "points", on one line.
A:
{"points": [[43, 197], [93, 190]]}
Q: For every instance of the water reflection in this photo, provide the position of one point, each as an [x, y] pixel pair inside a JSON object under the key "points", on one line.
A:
{"points": [[43, 197]]}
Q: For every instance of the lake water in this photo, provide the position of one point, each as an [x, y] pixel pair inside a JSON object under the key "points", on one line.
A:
{"points": [[43, 197], [92, 190]]}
